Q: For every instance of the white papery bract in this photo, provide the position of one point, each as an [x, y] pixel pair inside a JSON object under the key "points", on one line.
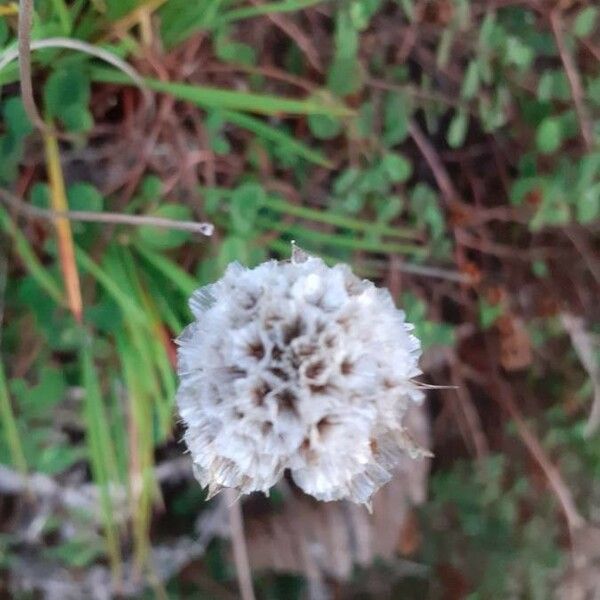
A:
{"points": [[296, 365]]}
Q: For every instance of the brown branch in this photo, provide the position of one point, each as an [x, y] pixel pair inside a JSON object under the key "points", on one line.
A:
{"points": [[577, 91], [553, 476], [435, 164], [24, 32], [104, 217]]}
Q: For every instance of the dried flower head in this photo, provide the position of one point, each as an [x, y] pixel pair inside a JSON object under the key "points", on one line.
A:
{"points": [[295, 365]]}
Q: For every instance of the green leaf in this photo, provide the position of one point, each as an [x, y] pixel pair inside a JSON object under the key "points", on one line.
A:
{"points": [[16, 119], [245, 204], [470, 84], [324, 127], [549, 135], [3, 32], [232, 249], [39, 195], [344, 76], [585, 21], [66, 95], [234, 52], [397, 110], [163, 238], [488, 313], [518, 53], [76, 118], [362, 11], [36, 400], [588, 206], [151, 187], [389, 208], [84, 196], [397, 167], [457, 130]]}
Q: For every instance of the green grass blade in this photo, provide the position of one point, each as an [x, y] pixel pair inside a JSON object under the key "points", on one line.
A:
{"points": [[62, 12], [106, 278], [25, 252], [270, 8], [211, 97], [342, 221], [102, 456], [9, 425], [279, 205], [272, 134], [318, 237], [185, 283], [152, 351], [141, 448]]}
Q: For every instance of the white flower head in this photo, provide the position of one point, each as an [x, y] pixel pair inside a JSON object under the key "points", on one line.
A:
{"points": [[296, 365]]}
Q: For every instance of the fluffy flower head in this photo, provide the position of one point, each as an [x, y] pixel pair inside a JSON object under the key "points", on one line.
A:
{"points": [[296, 365]]}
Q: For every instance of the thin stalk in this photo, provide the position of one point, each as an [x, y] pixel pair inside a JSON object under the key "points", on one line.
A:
{"points": [[9, 424]]}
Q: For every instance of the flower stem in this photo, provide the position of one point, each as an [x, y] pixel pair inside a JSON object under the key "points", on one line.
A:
{"points": [[240, 552]]}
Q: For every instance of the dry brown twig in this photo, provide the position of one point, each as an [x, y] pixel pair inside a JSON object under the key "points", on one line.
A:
{"points": [[563, 494], [104, 217], [24, 31], [577, 91], [583, 343]]}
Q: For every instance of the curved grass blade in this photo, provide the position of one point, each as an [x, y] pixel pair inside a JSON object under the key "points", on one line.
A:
{"points": [[247, 12], [9, 425], [338, 241], [211, 97], [272, 134], [102, 456], [185, 283], [25, 252]]}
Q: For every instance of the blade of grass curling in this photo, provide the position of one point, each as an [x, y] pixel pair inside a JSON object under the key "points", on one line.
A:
{"points": [[102, 457], [9, 425], [211, 97], [141, 479], [27, 255], [248, 12], [66, 249]]}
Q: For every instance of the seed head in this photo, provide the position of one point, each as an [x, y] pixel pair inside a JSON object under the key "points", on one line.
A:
{"points": [[296, 365]]}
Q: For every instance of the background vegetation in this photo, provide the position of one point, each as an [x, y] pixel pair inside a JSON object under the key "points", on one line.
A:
{"points": [[447, 149]]}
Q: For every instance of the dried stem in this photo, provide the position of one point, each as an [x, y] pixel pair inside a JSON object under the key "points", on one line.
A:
{"points": [[553, 476], [435, 164], [240, 551], [574, 81], [25, 16], [104, 217]]}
